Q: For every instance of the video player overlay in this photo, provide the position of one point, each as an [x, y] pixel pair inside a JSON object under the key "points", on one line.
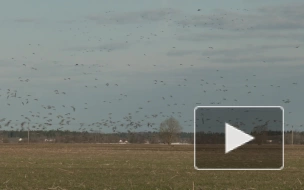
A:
{"points": [[264, 151]]}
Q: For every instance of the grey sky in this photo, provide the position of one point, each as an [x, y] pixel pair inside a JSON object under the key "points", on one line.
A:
{"points": [[213, 120], [228, 53]]}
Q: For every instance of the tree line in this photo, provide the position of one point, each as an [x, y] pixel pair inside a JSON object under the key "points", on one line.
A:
{"points": [[66, 136], [169, 131]]}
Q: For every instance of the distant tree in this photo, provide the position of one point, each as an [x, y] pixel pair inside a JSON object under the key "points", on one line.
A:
{"points": [[260, 133], [169, 129], [154, 138]]}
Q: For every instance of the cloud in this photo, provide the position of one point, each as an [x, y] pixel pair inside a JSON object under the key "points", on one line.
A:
{"points": [[107, 47], [280, 17], [294, 10], [208, 36], [249, 49], [24, 20], [70, 21], [247, 59], [243, 56], [133, 17], [182, 52]]}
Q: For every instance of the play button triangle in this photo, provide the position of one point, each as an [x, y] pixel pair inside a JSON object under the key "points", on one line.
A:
{"points": [[235, 138]]}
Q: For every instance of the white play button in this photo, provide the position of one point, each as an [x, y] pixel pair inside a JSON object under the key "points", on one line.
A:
{"points": [[235, 138]]}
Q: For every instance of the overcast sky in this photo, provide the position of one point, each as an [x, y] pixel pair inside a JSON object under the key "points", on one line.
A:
{"points": [[202, 53], [209, 119]]}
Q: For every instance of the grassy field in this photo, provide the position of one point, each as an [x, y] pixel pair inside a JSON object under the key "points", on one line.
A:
{"points": [[246, 156], [98, 166]]}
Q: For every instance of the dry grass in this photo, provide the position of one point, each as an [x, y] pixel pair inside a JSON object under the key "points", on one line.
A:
{"points": [[96, 166]]}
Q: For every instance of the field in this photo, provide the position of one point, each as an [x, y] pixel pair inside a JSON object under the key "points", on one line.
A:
{"points": [[246, 156], [99, 166]]}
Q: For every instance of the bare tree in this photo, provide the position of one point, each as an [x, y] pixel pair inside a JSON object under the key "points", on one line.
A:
{"points": [[169, 129]]}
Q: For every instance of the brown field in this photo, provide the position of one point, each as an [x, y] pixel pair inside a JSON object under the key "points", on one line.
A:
{"points": [[246, 156], [99, 166]]}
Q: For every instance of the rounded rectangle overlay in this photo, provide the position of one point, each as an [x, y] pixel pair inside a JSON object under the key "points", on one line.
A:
{"points": [[264, 123]]}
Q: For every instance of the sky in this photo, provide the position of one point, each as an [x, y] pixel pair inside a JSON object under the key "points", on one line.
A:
{"points": [[247, 119], [127, 65]]}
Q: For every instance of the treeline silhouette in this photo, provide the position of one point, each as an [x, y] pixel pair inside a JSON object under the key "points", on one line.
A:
{"points": [[219, 138], [66, 136], [264, 137]]}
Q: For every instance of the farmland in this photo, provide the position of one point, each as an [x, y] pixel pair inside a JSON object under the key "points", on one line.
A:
{"points": [[100, 166]]}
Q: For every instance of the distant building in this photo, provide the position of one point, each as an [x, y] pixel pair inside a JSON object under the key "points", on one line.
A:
{"points": [[123, 142], [49, 140]]}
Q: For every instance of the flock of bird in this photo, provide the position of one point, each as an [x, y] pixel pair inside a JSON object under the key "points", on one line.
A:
{"points": [[246, 119], [150, 110]]}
